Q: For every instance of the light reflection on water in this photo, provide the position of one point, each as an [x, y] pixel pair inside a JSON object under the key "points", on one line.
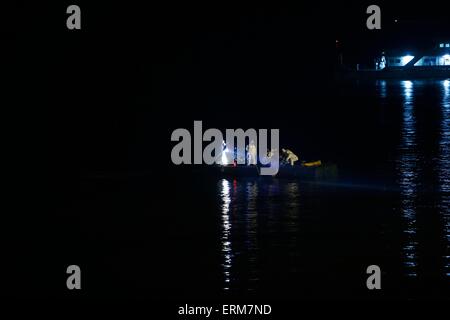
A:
{"points": [[407, 167], [444, 169], [251, 209], [382, 88], [244, 203], [226, 232], [251, 226]]}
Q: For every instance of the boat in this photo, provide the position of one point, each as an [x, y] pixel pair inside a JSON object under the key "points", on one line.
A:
{"points": [[306, 171]]}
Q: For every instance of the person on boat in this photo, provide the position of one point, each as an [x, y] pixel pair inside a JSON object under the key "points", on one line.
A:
{"points": [[290, 157], [251, 153]]}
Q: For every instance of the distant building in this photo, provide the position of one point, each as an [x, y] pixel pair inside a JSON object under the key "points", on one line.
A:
{"points": [[437, 57]]}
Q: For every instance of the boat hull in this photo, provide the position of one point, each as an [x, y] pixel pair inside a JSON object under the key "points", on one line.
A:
{"points": [[285, 171]]}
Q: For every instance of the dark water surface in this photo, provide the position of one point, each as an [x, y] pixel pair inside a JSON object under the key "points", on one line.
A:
{"points": [[210, 238], [287, 239]]}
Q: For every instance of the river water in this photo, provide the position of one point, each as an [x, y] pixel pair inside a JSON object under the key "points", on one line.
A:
{"points": [[285, 238], [193, 236]]}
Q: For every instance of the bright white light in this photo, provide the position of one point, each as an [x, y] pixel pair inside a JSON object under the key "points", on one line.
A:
{"points": [[446, 59], [407, 84], [224, 157], [446, 84], [407, 59]]}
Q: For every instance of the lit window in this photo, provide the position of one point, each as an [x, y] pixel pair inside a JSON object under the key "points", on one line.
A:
{"points": [[407, 59], [447, 45], [441, 45]]}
